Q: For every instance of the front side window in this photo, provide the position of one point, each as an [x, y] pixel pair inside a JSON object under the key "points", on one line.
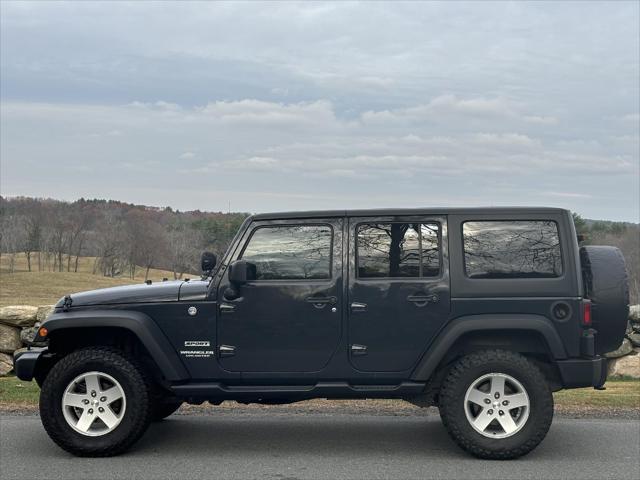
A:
{"points": [[290, 252], [512, 249], [398, 250]]}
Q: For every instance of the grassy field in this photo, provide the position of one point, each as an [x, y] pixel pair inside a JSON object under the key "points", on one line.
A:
{"points": [[44, 288], [619, 395]]}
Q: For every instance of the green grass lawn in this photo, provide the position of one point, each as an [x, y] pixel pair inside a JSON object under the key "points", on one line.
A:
{"points": [[620, 394], [16, 393]]}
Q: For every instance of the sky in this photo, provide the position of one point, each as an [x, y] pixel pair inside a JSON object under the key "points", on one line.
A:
{"points": [[293, 106]]}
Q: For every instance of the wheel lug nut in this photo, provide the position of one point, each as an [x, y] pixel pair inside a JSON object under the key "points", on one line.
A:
{"points": [[101, 409], [490, 412], [91, 411], [497, 395], [501, 412], [103, 399], [85, 401], [505, 402], [487, 401], [93, 394]]}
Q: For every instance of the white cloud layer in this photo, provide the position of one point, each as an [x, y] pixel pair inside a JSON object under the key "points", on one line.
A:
{"points": [[288, 105]]}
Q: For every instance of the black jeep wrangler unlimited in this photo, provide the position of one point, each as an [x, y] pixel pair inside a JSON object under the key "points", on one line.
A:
{"points": [[480, 312]]}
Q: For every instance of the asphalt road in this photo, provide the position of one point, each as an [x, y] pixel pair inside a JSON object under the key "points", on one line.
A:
{"points": [[314, 446]]}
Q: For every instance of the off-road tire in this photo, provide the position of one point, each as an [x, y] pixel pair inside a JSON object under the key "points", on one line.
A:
{"points": [[126, 371], [164, 408], [452, 410]]}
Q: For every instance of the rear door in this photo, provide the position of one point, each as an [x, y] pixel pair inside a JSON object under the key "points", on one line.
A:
{"points": [[289, 319], [398, 289]]}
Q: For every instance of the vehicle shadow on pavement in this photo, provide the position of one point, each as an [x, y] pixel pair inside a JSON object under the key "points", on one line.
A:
{"points": [[316, 435], [326, 435]]}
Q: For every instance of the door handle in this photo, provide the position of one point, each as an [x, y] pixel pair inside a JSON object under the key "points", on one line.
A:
{"points": [[358, 307], [422, 300], [227, 308], [227, 350], [358, 349], [320, 302]]}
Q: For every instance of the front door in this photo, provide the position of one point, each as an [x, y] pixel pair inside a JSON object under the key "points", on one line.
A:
{"points": [[398, 290], [289, 318]]}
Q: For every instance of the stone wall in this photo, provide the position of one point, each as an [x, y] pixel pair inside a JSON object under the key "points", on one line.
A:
{"points": [[625, 360], [19, 323]]}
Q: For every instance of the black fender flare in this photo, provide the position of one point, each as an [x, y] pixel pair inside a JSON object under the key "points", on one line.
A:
{"points": [[475, 323], [141, 325]]}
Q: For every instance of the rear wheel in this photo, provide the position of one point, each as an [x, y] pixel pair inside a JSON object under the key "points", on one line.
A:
{"points": [[496, 404], [95, 402]]}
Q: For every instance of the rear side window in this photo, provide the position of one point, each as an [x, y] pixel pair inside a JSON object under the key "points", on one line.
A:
{"points": [[398, 250], [290, 252], [512, 249]]}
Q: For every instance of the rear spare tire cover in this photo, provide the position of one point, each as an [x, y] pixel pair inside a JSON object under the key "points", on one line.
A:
{"points": [[606, 285]]}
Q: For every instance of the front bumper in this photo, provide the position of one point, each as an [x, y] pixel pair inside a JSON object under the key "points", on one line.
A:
{"points": [[580, 372], [24, 363]]}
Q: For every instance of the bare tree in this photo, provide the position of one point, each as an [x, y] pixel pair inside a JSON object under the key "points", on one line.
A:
{"points": [[79, 220], [12, 237], [152, 246], [183, 247], [33, 240], [109, 244], [58, 227]]}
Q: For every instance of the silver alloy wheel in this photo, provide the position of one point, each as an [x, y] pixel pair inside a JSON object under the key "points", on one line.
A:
{"points": [[94, 404], [497, 405]]}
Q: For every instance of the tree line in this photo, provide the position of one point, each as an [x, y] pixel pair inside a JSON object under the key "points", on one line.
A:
{"points": [[53, 235]]}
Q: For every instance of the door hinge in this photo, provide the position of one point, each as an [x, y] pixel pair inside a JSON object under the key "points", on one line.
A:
{"points": [[358, 349], [227, 350]]}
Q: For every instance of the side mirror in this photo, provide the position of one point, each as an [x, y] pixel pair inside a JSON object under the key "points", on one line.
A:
{"points": [[208, 261], [241, 272]]}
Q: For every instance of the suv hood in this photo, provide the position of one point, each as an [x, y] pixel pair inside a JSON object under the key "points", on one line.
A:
{"points": [[141, 293]]}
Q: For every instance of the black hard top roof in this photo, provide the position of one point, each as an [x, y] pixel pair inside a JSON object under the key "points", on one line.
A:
{"points": [[409, 211]]}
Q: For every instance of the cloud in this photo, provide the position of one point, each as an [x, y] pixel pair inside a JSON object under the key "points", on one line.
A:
{"points": [[308, 138], [567, 194], [541, 120], [338, 104], [470, 110], [269, 114], [505, 140], [472, 106]]}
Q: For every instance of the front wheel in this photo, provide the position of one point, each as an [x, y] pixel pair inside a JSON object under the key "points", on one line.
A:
{"points": [[95, 402], [496, 404]]}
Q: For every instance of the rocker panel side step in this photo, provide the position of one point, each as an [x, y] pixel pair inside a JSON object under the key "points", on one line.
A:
{"points": [[320, 390]]}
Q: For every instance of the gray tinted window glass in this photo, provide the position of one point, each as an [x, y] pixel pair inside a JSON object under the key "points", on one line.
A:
{"points": [[430, 249], [512, 249], [398, 250], [290, 252]]}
